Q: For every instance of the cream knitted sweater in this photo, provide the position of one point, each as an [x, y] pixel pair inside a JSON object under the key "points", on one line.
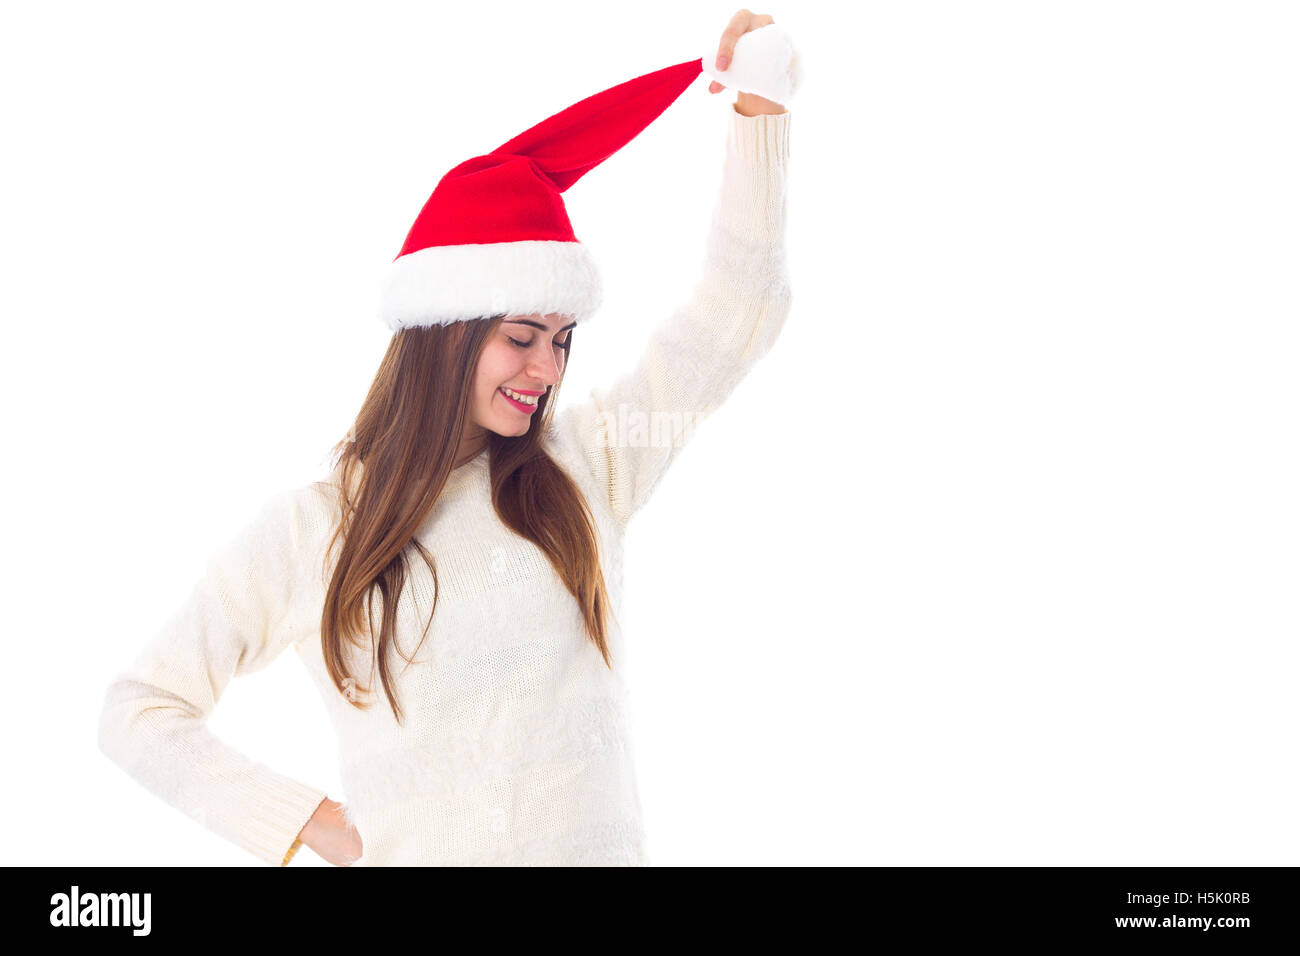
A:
{"points": [[515, 747]]}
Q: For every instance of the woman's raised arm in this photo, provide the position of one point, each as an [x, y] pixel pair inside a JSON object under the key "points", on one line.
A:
{"points": [[630, 432]]}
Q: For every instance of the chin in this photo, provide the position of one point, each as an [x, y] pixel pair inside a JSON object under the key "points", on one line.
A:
{"points": [[512, 429]]}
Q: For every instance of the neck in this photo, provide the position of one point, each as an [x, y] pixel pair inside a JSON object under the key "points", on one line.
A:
{"points": [[470, 446]]}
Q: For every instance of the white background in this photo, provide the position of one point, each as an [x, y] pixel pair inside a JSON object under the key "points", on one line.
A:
{"points": [[992, 560]]}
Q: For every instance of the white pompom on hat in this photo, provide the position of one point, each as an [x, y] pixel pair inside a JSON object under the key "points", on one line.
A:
{"points": [[765, 64]]}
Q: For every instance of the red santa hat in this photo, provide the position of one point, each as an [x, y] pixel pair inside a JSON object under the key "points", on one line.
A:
{"points": [[494, 237]]}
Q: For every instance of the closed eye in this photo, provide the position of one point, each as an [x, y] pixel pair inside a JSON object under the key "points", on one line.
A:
{"points": [[527, 345]]}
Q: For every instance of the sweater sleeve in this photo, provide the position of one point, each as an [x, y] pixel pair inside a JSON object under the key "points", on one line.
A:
{"points": [[631, 431], [153, 718]]}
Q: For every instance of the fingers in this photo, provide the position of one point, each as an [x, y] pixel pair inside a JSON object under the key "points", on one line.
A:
{"points": [[740, 24]]}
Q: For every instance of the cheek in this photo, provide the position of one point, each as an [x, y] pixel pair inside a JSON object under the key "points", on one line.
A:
{"points": [[496, 367], [493, 369], [487, 395]]}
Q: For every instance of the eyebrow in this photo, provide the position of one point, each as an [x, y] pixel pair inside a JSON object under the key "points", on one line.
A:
{"points": [[538, 325]]}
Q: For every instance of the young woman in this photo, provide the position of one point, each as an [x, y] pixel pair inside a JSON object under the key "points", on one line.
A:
{"points": [[452, 587]]}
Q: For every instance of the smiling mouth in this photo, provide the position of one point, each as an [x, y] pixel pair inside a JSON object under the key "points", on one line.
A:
{"points": [[525, 403]]}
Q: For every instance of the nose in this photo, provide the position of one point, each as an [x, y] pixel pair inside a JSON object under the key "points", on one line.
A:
{"points": [[544, 371]]}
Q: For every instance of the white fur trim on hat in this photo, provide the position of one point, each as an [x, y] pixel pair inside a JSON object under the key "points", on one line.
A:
{"points": [[764, 62], [444, 284]]}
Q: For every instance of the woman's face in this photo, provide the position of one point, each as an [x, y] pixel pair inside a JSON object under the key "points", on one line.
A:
{"points": [[526, 355]]}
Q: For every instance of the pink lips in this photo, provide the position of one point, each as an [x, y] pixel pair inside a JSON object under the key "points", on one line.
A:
{"points": [[520, 405]]}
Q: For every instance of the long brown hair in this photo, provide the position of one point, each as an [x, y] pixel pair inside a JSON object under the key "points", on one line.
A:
{"points": [[404, 444]]}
